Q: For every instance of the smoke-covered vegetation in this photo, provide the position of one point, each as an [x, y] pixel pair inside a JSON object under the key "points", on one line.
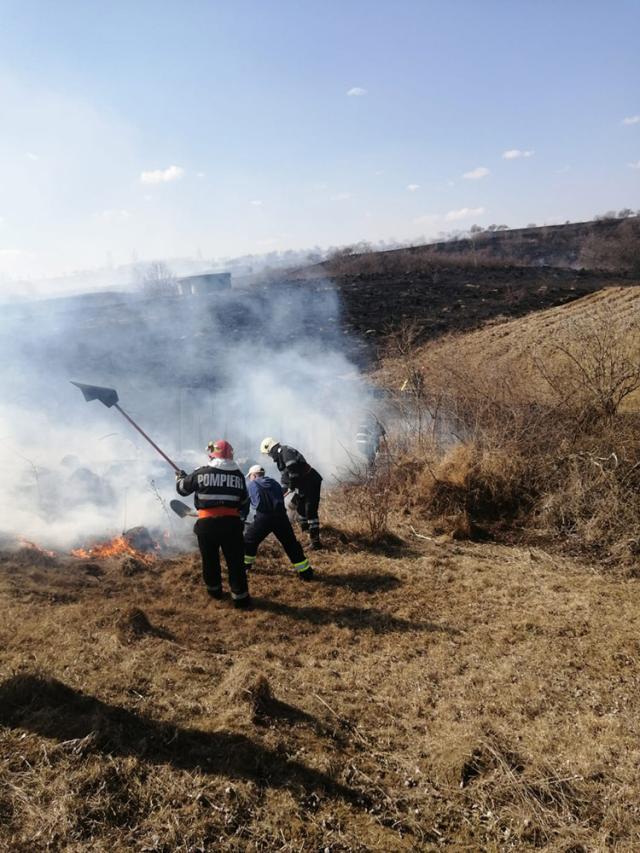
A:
{"points": [[237, 363]]}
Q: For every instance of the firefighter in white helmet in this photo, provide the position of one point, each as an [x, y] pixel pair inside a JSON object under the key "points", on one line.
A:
{"points": [[297, 475]]}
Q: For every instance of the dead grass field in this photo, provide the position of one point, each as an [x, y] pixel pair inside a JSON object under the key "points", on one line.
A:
{"points": [[420, 696], [518, 344]]}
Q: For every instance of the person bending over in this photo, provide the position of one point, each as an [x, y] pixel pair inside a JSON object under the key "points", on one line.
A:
{"points": [[267, 500], [298, 476]]}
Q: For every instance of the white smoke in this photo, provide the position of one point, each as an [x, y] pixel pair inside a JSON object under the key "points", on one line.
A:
{"points": [[239, 365]]}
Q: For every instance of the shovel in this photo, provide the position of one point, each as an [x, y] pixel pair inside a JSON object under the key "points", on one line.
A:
{"points": [[182, 509], [109, 397]]}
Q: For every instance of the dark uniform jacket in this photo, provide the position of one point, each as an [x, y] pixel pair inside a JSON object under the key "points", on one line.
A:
{"points": [[218, 484], [292, 465]]}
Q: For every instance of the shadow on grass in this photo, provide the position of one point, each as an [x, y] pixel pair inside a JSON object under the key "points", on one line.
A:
{"points": [[361, 581], [52, 709], [351, 617], [385, 545]]}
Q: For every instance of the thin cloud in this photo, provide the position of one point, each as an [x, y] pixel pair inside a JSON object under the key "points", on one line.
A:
{"points": [[635, 165], [356, 92], [516, 154], [201, 174], [256, 202], [31, 156], [427, 219], [115, 215], [476, 174], [162, 176], [463, 213], [413, 187], [631, 120], [341, 197]]}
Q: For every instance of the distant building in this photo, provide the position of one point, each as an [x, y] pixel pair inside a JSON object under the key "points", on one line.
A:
{"points": [[203, 285]]}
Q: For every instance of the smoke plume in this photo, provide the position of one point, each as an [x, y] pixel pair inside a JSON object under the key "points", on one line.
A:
{"points": [[235, 364]]}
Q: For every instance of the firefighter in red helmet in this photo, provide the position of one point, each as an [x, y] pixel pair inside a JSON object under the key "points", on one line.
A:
{"points": [[220, 498]]}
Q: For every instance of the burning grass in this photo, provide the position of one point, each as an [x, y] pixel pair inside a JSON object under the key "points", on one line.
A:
{"points": [[119, 546]]}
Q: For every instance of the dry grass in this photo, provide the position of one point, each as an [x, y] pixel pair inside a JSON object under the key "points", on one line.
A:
{"points": [[439, 695], [534, 427], [522, 346], [424, 260]]}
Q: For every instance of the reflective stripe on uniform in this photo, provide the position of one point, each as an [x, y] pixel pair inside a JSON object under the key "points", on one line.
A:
{"points": [[205, 497], [238, 596], [314, 522], [248, 560], [301, 566]]}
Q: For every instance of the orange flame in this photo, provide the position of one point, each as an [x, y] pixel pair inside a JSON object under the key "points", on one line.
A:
{"points": [[24, 543], [117, 547]]}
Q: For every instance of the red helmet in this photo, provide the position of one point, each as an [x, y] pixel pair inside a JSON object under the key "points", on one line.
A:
{"points": [[220, 449]]}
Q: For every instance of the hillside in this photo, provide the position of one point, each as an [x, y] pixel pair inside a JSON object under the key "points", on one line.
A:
{"points": [[426, 691], [535, 344], [431, 695]]}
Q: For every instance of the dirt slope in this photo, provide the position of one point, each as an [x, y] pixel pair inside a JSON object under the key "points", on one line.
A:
{"points": [[439, 695]]}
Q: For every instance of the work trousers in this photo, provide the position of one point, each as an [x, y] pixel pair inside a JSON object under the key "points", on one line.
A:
{"points": [[226, 533], [308, 488], [278, 524]]}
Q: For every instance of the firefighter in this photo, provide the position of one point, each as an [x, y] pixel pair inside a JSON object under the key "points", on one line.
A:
{"points": [[369, 437], [270, 516], [221, 498], [298, 476]]}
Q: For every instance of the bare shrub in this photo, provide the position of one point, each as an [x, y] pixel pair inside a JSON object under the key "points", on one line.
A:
{"points": [[598, 367], [367, 490], [512, 458], [158, 280], [615, 252]]}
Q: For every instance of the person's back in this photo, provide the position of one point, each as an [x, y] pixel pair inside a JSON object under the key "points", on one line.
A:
{"points": [[220, 497], [267, 501], [299, 476], [266, 495]]}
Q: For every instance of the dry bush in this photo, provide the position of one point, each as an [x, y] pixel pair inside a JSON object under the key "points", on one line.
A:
{"points": [[367, 491], [597, 367], [615, 252], [504, 456]]}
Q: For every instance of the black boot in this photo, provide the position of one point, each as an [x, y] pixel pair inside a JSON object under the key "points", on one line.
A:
{"points": [[215, 592], [243, 603], [314, 538], [307, 575]]}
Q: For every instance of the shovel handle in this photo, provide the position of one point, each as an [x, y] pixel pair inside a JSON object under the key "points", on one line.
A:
{"points": [[143, 433]]}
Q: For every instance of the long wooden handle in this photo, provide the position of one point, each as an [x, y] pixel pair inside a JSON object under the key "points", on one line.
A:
{"points": [[143, 433]]}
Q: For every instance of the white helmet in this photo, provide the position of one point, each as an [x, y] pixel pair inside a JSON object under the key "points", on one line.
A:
{"points": [[268, 444]]}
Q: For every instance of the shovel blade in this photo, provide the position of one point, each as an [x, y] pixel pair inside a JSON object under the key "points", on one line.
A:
{"points": [[182, 509], [108, 396]]}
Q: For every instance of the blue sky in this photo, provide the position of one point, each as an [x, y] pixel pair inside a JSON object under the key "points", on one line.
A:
{"points": [[166, 129]]}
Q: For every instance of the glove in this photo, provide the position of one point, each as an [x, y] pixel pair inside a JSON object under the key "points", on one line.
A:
{"points": [[180, 474]]}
